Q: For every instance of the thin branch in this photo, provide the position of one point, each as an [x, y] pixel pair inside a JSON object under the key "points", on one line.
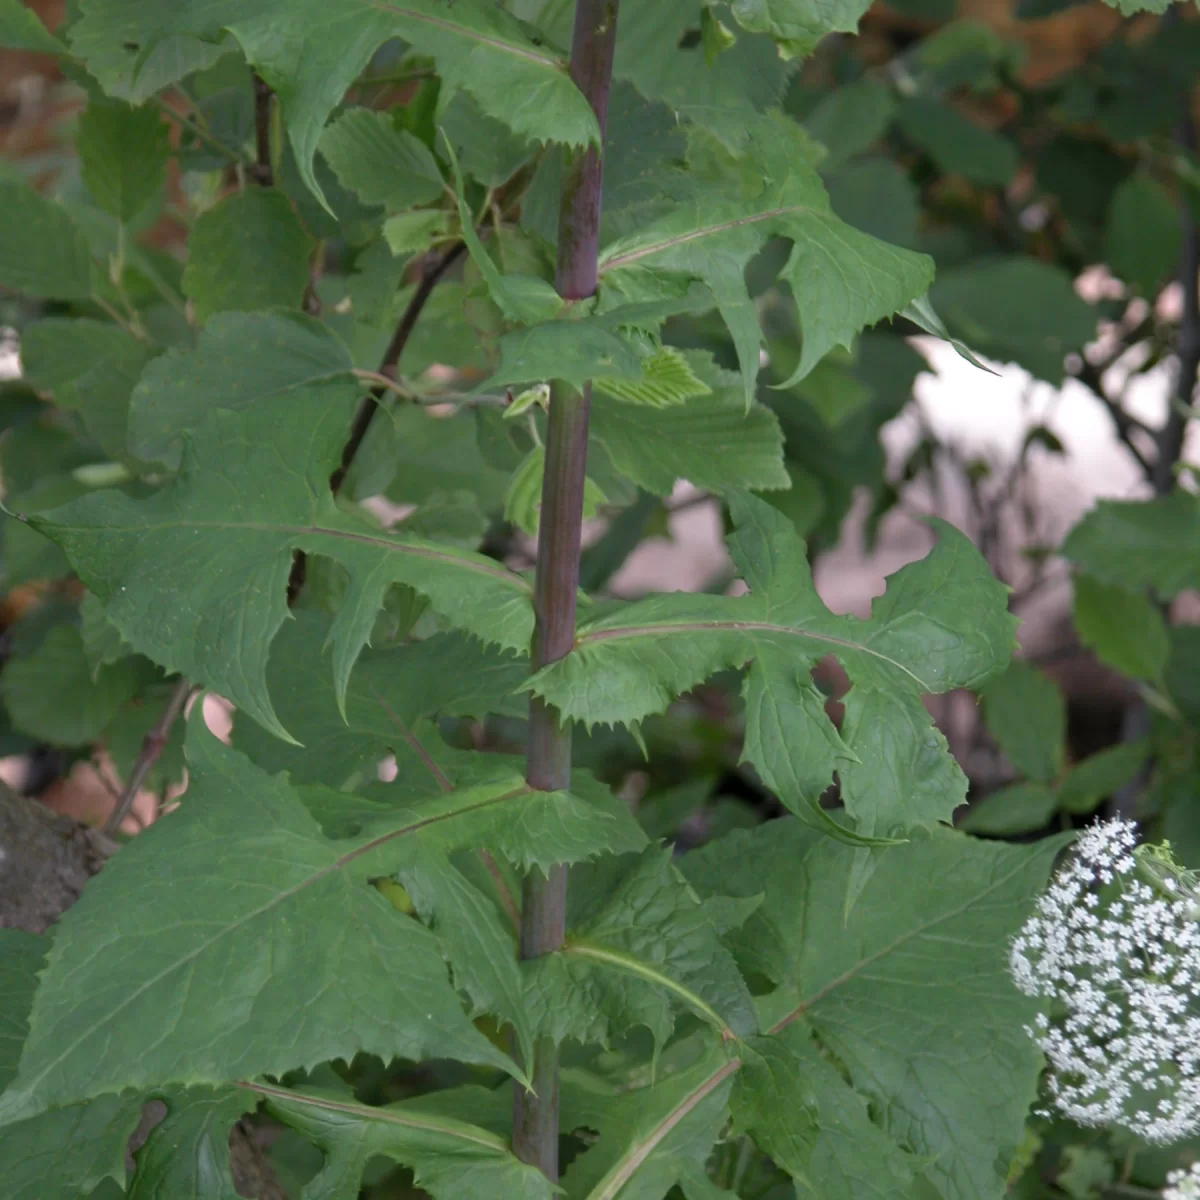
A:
{"points": [[262, 171], [152, 747], [391, 358], [1091, 376]]}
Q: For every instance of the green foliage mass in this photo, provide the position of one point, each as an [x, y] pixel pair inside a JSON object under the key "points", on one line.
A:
{"points": [[317, 404]]}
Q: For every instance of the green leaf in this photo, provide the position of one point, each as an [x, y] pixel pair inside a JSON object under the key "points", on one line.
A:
{"points": [[798, 25], [657, 51], [943, 623], [921, 313], [69, 1152], [311, 53], [1017, 310], [648, 950], [42, 251], [852, 118], [667, 379], [1025, 712], [187, 1153], [957, 145], [1144, 234], [253, 488], [243, 358], [876, 195], [841, 279], [649, 1137], [1124, 629], [713, 441], [480, 945], [51, 694], [60, 1155], [90, 366], [21, 956], [571, 351], [1137, 544], [256, 895], [20, 29], [382, 164], [102, 641], [451, 1157], [853, 1159], [1097, 777], [413, 232], [248, 252], [524, 299], [1020, 808], [391, 694], [123, 152], [773, 1100], [904, 989]]}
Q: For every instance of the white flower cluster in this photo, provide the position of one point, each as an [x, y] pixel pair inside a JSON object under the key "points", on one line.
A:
{"points": [[1183, 1185], [1113, 951]]}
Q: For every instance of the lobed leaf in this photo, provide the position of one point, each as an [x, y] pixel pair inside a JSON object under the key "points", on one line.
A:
{"points": [[942, 624], [187, 1153], [841, 279], [252, 489], [258, 914], [902, 991]]}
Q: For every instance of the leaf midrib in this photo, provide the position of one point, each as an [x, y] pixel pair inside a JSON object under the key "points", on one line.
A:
{"points": [[692, 235], [416, 549], [338, 863], [626, 1167], [542, 60], [661, 630], [633, 965], [384, 1116]]}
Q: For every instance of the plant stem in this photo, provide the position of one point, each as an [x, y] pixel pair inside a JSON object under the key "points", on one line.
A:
{"points": [[391, 358], [262, 170], [544, 899], [152, 748]]}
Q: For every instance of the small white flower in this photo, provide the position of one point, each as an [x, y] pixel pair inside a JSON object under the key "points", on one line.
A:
{"points": [[1113, 952], [1183, 1185]]}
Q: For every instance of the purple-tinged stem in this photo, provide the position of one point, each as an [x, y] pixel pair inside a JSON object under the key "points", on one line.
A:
{"points": [[544, 899]]}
